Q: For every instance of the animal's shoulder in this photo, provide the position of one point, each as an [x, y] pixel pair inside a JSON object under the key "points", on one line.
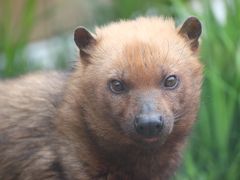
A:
{"points": [[30, 98]]}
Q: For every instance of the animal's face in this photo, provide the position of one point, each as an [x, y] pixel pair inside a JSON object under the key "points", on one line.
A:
{"points": [[140, 88]]}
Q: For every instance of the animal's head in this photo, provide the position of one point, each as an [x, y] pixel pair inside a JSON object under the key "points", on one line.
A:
{"points": [[140, 80]]}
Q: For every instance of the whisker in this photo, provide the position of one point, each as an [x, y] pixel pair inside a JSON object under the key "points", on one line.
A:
{"points": [[178, 116]]}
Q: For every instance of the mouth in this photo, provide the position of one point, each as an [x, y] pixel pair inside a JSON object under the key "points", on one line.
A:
{"points": [[154, 141], [151, 140]]}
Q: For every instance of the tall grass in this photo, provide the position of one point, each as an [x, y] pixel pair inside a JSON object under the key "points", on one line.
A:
{"points": [[214, 150], [17, 53], [14, 37]]}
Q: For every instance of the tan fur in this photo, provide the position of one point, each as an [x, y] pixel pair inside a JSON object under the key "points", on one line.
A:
{"points": [[70, 126]]}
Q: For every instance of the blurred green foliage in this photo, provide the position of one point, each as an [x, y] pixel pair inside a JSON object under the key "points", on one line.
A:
{"points": [[214, 152], [14, 38], [214, 149]]}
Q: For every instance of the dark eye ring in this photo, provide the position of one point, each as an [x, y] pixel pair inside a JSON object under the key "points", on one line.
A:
{"points": [[171, 82], [117, 86]]}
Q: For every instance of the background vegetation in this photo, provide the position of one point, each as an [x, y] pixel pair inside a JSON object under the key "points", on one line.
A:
{"points": [[214, 149]]}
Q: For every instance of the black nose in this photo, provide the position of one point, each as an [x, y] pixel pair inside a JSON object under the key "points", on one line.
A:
{"points": [[149, 125]]}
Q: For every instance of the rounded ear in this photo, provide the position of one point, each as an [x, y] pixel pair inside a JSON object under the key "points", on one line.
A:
{"points": [[83, 38], [191, 30]]}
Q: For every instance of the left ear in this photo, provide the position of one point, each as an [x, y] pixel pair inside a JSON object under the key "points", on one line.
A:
{"points": [[191, 30], [84, 41]]}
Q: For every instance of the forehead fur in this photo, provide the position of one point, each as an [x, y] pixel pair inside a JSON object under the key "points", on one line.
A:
{"points": [[149, 30], [143, 28], [146, 29], [143, 46]]}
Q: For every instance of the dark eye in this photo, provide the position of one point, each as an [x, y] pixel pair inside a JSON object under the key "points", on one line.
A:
{"points": [[116, 86], [171, 82]]}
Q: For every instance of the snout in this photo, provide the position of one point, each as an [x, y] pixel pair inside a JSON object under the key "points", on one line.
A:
{"points": [[149, 125]]}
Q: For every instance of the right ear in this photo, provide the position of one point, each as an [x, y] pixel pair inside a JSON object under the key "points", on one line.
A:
{"points": [[191, 30], [84, 40]]}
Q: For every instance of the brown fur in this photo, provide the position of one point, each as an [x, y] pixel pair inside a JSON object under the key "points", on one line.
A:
{"points": [[70, 126]]}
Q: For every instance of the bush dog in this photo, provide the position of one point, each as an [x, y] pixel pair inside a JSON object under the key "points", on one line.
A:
{"points": [[123, 112]]}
